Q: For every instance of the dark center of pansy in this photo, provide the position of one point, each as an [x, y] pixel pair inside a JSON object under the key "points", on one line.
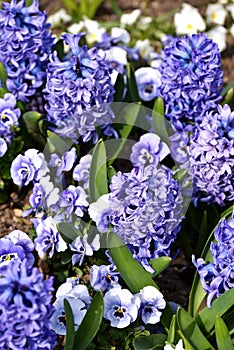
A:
{"points": [[119, 311]]}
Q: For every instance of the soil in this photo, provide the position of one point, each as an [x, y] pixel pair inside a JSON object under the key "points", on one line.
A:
{"points": [[175, 282]]}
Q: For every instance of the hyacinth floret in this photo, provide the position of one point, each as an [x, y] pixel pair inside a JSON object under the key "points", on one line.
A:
{"points": [[212, 157], [217, 276], [77, 88], [191, 80], [25, 45], [25, 298]]}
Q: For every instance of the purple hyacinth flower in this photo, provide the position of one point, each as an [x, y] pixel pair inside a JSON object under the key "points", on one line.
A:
{"points": [[48, 238], [103, 277], [76, 87], [148, 82], [28, 167], [120, 307], [152, 303], [25, 45], [25, 297], [149, 150], [217, 276], [191, 78], [211, 157]]}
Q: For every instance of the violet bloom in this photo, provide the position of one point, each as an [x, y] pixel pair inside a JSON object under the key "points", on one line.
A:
{"points": [[26, 298], [72, 289], [120, 307], [44, 196], [28, 167], [103, 277], [73, 199], [191, 78], [148, 82], [64, 163], [3, 147], [217, 276], [9, 116], [100, 212], [25, 45], [82, 248], [48, 238], [149, 150], [152, 303], [16, 246], [81, 170], [58, 318], [77, 87], [212, 157]]}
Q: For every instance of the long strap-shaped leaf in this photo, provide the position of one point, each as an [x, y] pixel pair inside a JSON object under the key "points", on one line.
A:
{"points": [[223, 339], [134, 275], [90, 324], [191, 332]]}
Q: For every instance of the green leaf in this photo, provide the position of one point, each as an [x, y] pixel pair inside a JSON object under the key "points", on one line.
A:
{"points": [[206, 318], [126, 118], [68, 231], [132, 84], [69, 326], [134, 275], [159, 121], [3, 75], [30, 122], [172, 330], [227, 88], [98, 172], [191, 331], [151, 342], [55, 144], [119, 88], [223, 339], [229, 96], [90, 324], [160, 264]]}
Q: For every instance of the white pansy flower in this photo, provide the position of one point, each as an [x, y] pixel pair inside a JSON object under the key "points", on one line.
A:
{"points": [[144, 22], [218, 35], [61, 16], [128, 19], [94, 31], [189, 20], [144, 47], [120, 34], [216, 14], [75, 28]]}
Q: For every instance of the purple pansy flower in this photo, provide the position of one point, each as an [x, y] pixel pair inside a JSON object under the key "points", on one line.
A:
{"points": [[28, 167], [148, 83], [149, 150], [82, 248], [103, 277], [64, 163], [152, 303], [48, 238], [81, 170], [120, 307]]}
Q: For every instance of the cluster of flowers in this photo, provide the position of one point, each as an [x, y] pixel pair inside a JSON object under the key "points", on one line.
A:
{"points": [[217, 276], [25, 45], [9, 116], [145, 205], [121, 307], [25, 297]]}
